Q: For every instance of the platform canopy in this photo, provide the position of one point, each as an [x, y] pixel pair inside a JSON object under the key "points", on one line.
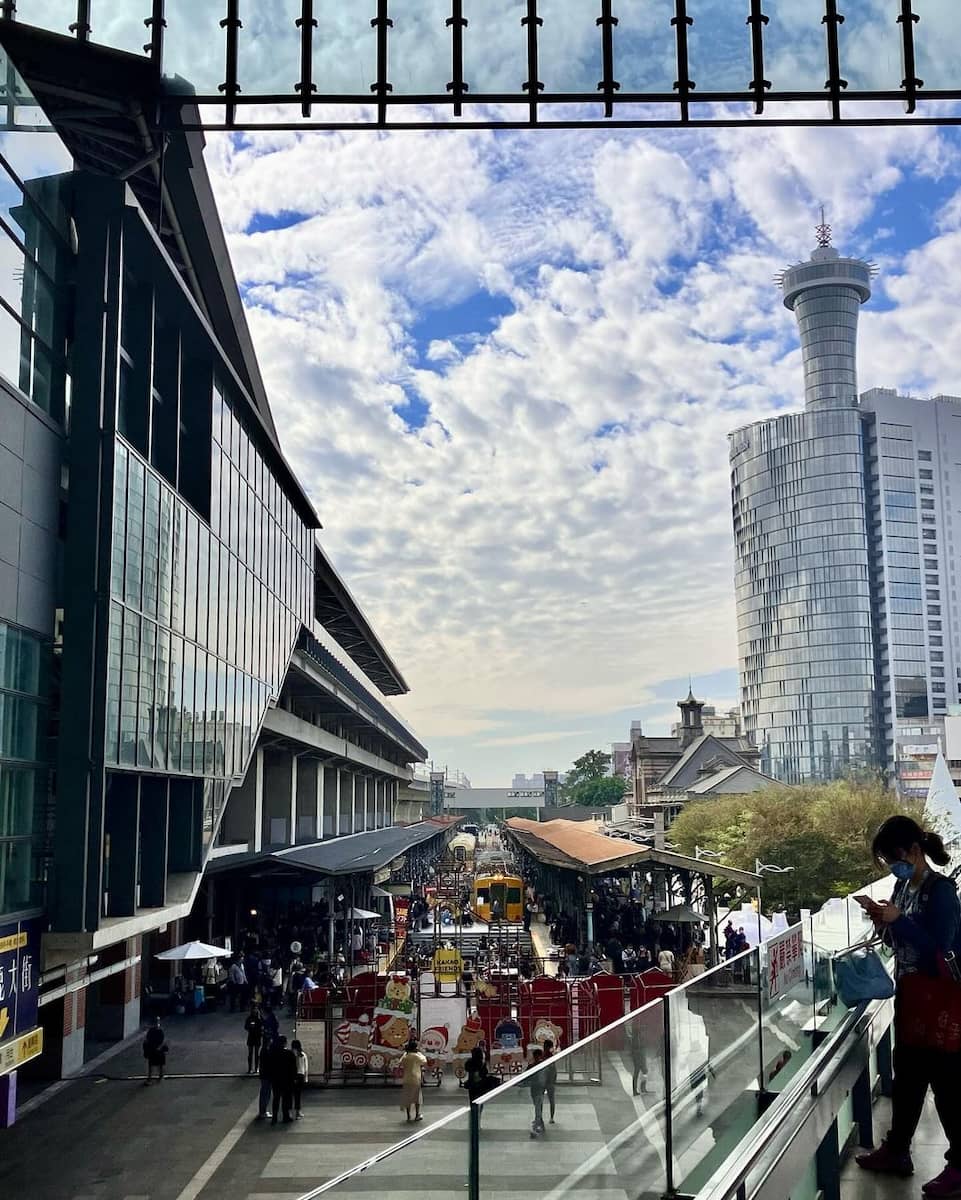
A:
{"points": [[569, 845]]}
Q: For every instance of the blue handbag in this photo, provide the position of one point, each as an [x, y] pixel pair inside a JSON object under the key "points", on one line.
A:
{"points": [[859, 977]]}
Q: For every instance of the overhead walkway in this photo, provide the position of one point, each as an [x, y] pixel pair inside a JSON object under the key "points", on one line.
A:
{"points": [[751, 1082]]}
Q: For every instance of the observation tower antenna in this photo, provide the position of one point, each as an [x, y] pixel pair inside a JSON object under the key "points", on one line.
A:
{"points": [[822, 232]]}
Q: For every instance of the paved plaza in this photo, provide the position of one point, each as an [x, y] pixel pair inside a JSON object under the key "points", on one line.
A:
{"points": [[106, 1136]]}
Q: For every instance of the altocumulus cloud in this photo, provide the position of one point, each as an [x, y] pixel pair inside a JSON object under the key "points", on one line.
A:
{"points": [[533, 506]]}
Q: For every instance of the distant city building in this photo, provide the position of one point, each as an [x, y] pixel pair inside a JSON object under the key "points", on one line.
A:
{"points": [[534, 781], [849, 643]]}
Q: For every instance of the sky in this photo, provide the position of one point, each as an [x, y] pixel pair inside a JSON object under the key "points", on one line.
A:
{"points": [[505, 365]]}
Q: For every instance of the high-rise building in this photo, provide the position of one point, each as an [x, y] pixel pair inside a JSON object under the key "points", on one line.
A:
{"points": [[849, 645], [802, 573]]}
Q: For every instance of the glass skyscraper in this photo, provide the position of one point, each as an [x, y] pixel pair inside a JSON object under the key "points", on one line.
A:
{"points": [[803, 563]]}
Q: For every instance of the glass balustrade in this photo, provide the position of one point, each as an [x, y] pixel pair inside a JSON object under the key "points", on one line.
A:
{"points": [[652, 1104]]}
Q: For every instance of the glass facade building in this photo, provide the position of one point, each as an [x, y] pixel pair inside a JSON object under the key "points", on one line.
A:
{"points": [[803, 593], [159, 565], [802, 559]]}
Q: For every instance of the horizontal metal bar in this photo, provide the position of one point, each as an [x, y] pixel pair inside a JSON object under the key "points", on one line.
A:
{"points": [[600, 123], [361, 99]]}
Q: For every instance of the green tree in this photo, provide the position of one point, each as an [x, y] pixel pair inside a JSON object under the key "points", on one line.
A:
{"points": [[822, 831], [595, 764], [598, 793]]}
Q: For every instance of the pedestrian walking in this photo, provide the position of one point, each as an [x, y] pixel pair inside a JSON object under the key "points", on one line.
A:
{"points": [[550, 1078], [155, 1051], [266, 1078], [254, 1028], [537, 1089], [236, 984], [271, 1024], [476, 1075], [283, 1074], [301, 1077], [635, 1041], [922, 921], [412, 1065], [665, 962]]}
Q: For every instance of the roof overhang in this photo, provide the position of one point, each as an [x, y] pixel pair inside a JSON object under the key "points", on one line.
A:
{"points": [[340, 614], [549, 854]]}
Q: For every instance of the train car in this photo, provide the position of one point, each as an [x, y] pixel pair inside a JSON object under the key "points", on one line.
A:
{"points": [[508, 889], [461, 848]]}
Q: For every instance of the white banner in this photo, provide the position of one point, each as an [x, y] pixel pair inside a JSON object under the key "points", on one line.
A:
{"points": [[785, 962]]}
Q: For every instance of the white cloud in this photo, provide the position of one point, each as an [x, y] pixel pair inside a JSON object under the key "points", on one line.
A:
{"points": [[555, 541]]}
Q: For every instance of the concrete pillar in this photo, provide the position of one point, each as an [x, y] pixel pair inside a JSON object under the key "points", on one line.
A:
{"points": [[318, 801], [307, 769], [74, 1025], [8, 1100], [280, 798], [257, 769], [330, 801], [132, 989], [292, 819], [240, 818], [366, 781], [337, 829], [346, 802], [358, 784]]}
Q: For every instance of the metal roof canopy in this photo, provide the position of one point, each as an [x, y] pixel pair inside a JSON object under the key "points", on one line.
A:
{"points": [[352, 854], [551, 854], [619, 49]]}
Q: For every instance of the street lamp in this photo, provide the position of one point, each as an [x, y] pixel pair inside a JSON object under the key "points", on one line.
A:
{"points": [[762, 869]]}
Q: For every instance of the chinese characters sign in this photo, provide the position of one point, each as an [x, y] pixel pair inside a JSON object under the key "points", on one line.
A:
{"points": [[19, 982], [785, 962]]}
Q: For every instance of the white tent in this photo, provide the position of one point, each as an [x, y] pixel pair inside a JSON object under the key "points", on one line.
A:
{"points": [[363, 914], [194, 951], [943, 805]]}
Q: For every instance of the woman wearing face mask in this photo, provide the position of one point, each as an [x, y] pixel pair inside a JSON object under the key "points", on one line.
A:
{"points": [[922, 921]]}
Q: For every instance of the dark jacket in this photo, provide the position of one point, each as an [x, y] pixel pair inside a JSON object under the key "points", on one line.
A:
{"points": [[936, 927], [254, 1026], [284, 1072], [266, 1070]]}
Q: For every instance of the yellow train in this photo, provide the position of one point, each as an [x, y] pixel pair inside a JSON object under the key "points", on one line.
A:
{"points": [[498, 897]]}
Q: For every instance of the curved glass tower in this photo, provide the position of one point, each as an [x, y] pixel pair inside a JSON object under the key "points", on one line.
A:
{"points": [[805, 641]]}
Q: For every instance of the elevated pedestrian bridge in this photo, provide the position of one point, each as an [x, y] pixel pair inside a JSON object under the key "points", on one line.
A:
{"points": [[750, 1081]]}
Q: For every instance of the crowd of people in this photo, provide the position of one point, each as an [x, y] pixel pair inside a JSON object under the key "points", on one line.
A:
{"points": [[628, 937]]}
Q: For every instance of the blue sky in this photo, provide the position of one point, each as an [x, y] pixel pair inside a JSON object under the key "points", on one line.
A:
{"points": [[505, 366]]}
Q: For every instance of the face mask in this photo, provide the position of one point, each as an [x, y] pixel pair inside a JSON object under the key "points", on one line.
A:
{"points": [[902, 870]]}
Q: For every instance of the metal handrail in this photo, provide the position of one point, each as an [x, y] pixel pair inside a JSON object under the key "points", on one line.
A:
{"points": [[813, 1079]]}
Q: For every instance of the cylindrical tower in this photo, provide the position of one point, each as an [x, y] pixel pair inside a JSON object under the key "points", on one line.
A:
{"points": [[825, 294], [804, 604]]}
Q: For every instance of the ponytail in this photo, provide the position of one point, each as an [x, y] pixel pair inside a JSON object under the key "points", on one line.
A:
{"points": [[899, 833], [933, 847]]}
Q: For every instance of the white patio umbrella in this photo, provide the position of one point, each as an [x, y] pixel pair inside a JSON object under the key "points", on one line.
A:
{"points": [[194, 950], [362, 914]]}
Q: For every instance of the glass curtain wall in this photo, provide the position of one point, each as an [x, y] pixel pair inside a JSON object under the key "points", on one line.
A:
{"points": [[803, 593], [36, 249], [211, 564], [24, 774]]}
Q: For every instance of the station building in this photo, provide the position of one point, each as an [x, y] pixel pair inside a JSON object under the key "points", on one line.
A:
{"points": [[184, 677]]}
